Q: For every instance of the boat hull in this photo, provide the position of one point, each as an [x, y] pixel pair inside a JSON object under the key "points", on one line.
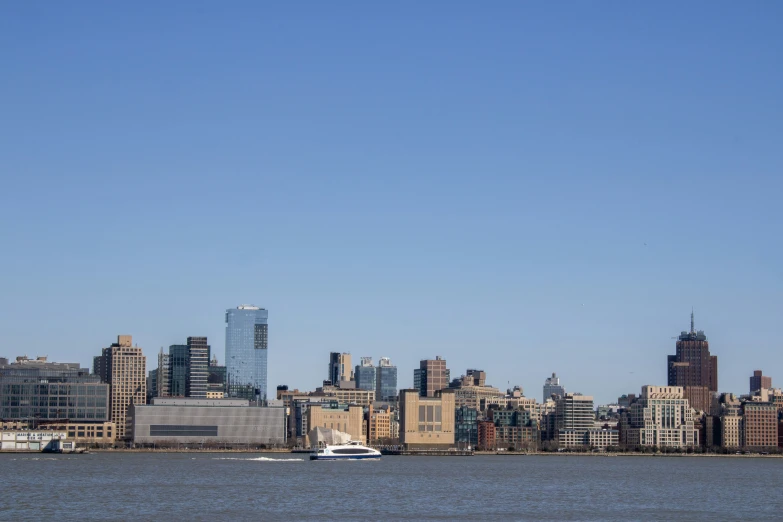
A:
{"points": [[345, 457]]}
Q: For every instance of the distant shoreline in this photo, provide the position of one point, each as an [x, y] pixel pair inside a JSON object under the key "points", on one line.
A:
{"points": [[477, 453], [622, 454]]}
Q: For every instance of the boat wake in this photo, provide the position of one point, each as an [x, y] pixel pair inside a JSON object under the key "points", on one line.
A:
{"points": [[258, 459]]}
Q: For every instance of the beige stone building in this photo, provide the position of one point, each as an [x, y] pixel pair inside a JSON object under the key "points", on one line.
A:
{"points": [[427, 422], [379, 425], [730, 431], [662, 416], [350, 420], [475, 396], [124, 367], [87, 432], [346, 395]]}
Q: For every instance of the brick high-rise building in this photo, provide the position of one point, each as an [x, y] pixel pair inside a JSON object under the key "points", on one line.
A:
{"points": [[124, 367], [759, 425], [486, 435], [758, 381], [431, 376], [693, 368]]}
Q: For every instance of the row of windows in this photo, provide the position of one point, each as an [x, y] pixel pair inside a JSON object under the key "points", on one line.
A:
{"points": [[172, 430]]}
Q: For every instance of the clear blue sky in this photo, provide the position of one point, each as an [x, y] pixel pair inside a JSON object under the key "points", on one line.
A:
{"points": [[518, 187]]}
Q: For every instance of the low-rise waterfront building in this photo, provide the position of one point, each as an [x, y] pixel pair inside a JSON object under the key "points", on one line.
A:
{"points": [[602, 438], [38, 440], [466, 426], [37, 390], [205, 421]]}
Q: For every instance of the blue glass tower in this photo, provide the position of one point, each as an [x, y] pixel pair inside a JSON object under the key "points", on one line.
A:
{"points": [[246, 352]]}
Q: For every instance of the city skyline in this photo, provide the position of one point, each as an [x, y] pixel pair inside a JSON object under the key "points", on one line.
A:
{"points": [[533, 183], [531, 389]]}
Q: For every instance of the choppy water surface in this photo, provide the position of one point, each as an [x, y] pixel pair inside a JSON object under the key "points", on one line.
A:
{"points": [[202, 486]]}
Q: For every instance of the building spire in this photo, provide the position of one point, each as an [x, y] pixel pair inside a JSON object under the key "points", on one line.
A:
{"points": [[693, 330]]}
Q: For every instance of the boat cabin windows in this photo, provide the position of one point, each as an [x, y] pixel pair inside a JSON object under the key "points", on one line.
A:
{"points": [[351, 451]]}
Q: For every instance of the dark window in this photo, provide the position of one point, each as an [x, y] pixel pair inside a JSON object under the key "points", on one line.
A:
{"points": [[171, 430]]}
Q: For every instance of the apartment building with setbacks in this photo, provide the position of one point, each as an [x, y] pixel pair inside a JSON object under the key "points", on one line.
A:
{"points": [[661, 417]]}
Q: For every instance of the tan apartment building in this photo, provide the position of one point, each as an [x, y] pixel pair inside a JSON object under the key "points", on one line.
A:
{"points": [[475, 396], [379, 425], [124, 367], [346, 395], [730, 431], [340, 368], [350, 420], [427, 422]]}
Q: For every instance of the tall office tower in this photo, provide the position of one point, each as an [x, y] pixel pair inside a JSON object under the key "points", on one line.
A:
{"points": [[198, 367], [431, 376], [693, 368], [340, 367], [124, 367], [552, 387], [246, 352], [365, 375], [758, 381], [178, 370], [216, 382], [385, 380], [574, 416], [162, 376]]}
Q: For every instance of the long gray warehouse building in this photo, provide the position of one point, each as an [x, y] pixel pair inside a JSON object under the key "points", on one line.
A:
{"points": [[197, 421]]}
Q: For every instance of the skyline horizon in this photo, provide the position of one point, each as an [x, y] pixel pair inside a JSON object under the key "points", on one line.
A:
{"points": [[527, 390]]}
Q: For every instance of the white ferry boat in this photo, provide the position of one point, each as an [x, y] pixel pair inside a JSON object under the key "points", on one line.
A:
{"points": [[352, 450]]}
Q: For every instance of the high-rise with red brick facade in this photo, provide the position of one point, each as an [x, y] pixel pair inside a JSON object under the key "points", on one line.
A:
{"points": [[759, 381], [693, 368]]}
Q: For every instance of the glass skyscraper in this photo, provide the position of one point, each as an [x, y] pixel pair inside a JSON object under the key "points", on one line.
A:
{"points": [[365, 375], [386, 381], [178, 370], [246, 351]]}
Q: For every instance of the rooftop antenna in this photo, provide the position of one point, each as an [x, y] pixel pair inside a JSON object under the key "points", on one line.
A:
{"points": [[692, 327]]}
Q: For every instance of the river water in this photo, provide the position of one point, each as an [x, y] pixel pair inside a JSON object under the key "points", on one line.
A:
{"points": [[207, 486]]}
